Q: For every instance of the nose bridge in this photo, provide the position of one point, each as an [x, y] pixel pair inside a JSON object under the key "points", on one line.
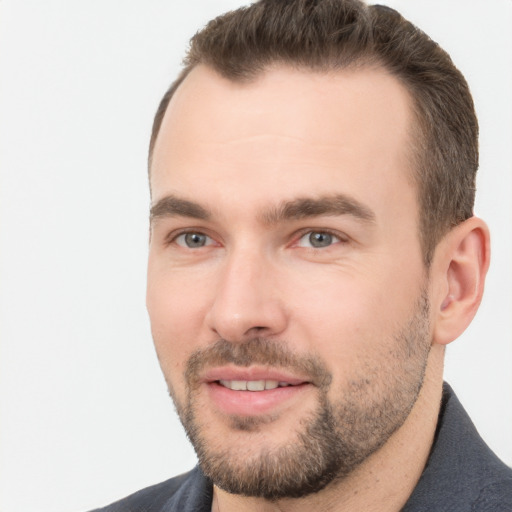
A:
{"points": [[246, 302]]}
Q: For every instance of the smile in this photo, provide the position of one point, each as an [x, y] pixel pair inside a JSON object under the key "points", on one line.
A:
{"points": [[252, 385], [252, 392]]}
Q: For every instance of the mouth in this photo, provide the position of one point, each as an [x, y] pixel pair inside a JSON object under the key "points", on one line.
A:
{"points": [[252, 392], [253, 385]]}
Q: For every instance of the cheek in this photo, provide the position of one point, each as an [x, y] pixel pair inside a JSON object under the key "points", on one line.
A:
{"points": [[350, 319], [341, 325], [173, 310], [174, 295]]}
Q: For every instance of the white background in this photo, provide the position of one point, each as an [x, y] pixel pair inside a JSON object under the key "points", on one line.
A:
{"points": [[85, 417]]}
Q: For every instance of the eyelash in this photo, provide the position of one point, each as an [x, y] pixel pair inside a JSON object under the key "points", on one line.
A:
{"points": [[340, 238], [174, 235]]}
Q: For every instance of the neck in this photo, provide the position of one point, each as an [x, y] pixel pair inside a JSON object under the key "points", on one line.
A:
{"points": [[385, 480]]}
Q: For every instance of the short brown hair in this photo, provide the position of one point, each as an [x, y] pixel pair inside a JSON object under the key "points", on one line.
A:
{"points": [[325, 35]]}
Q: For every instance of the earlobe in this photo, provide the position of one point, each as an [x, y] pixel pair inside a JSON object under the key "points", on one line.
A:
{"points": [[461, 263]]}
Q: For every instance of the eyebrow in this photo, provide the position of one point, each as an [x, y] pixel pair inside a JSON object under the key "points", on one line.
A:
{"points": [[172, 206], [332, 205], [296, 209]]}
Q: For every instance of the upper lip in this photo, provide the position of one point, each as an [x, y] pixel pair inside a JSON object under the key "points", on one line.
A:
{"points": [[251, 374]]}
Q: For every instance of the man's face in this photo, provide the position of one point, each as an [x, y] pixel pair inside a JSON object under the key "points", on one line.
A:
{"points": [[286, 290]]}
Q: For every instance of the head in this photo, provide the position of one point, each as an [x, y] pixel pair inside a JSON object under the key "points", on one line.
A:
{"points": [[307, 171]]}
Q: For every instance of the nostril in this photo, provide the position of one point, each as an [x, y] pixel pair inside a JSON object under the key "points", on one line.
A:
{"points": [[258, 328]]}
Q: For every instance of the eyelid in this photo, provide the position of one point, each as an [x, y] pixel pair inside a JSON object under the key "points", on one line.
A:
{"points": [[341, 237], [171, 237], [174, 234]]}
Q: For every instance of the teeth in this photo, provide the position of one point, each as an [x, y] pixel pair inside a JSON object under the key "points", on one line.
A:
{"points": [[239, 385], [251, 385], [256, 385]]}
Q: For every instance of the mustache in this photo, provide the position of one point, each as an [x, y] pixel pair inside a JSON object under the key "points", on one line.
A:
{"points": [[260, 351]]}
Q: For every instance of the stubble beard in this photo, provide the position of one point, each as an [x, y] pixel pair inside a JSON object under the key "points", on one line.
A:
{"points": [[330, 442]]}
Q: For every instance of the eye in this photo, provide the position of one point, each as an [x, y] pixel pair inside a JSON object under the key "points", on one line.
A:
{"points": [[193, 240], [318, 239]]}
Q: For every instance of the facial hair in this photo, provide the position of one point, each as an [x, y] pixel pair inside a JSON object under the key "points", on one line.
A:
{"points": [[330, 442]]}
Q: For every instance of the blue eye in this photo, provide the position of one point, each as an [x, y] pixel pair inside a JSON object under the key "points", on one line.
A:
{"points": [[318, 239], [193, 240]]}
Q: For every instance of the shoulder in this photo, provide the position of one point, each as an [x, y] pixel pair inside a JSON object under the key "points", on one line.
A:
{"points": [[495, 497], [462, 473], [181, 493]]}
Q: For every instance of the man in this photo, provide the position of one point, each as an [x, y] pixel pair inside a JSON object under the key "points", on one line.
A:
{"points": [[313, 250]]}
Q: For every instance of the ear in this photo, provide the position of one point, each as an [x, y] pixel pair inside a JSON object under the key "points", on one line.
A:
{"points": [[460, 265]]}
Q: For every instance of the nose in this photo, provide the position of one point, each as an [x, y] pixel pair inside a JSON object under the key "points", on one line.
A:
{"points": [[247, 301]]}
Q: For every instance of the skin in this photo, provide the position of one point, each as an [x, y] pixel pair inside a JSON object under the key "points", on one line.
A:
{"points": [[237, 152]]}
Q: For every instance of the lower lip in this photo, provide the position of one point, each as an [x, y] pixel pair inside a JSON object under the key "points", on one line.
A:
{"points": [[253, 403]]}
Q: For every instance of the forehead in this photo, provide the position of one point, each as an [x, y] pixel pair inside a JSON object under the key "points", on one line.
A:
{"points": [[285, 131]]}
